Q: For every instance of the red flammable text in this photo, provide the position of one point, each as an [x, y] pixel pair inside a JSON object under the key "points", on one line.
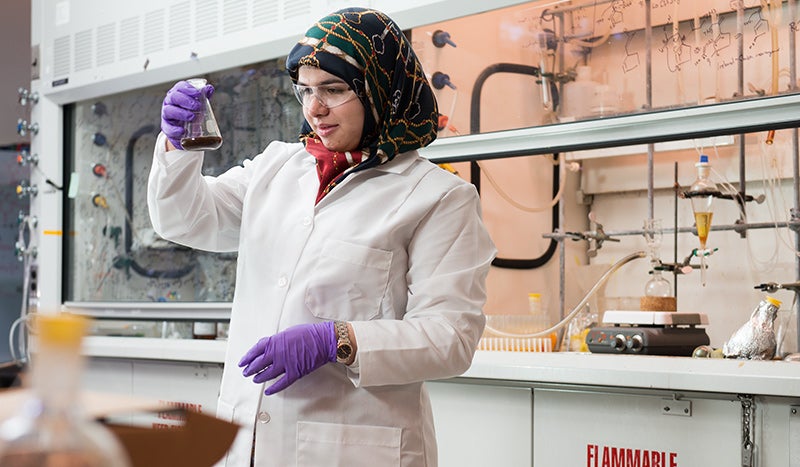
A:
{"points": [[608, 456], [173, 415]]}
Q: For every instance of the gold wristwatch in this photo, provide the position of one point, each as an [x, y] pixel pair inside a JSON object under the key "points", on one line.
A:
{"points": [[344, 349]]}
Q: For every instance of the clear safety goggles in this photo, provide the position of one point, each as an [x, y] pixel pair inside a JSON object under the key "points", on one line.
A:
{"points": [[329, 95]]}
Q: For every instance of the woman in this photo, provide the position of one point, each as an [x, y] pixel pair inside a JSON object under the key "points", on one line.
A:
{"points": [[361, 267]]}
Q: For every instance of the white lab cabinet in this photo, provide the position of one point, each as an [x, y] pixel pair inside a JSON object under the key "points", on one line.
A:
{"points": [[793, 435], [171, 383], [606, 410], [537, 409], [584, 428], [482, 424]]}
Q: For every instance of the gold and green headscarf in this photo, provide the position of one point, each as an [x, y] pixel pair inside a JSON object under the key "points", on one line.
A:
{"points": [[368, 50]]}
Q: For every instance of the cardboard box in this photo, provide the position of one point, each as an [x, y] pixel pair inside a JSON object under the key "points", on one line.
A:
{"points": [[200, 441]]}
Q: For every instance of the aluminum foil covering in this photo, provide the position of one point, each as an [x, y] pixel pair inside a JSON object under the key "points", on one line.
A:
{"points": [[755, 340]]}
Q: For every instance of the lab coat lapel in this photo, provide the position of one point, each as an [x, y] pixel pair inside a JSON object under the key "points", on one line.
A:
{"points": [[309, 184]]}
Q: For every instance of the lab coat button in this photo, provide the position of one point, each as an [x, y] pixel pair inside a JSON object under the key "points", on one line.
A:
{"points": [[282, 281], [263, 417], [306, 221]]}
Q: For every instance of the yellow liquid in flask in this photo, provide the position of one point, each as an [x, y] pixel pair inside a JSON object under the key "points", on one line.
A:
{"points": [[703, 221]]}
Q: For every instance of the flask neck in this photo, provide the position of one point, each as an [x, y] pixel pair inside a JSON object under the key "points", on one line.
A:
{"points": [[55, 378], [703, 185], [766, 313], [703, 176], [197, 83]]}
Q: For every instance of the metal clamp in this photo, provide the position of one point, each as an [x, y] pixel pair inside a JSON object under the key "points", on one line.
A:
{"points": [[794, 215], [771, 287]]}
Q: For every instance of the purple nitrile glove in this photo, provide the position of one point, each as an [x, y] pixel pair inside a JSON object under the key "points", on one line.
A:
{"points": [[293, 353], [180, 104]]}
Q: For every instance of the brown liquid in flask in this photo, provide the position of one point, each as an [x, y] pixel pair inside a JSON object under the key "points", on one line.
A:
{"points": [[201, 143], [202, 132]]}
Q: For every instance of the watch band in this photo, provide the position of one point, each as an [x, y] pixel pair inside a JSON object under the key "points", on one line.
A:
{"points": [[344, 349]]}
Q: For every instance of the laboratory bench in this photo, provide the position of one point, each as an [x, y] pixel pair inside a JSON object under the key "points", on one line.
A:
{"points": [[770, 378], [538, 408]]}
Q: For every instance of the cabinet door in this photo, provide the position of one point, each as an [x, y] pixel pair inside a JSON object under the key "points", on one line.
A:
{"points": [[594, 429], [481, 425], [191, 386], [108, 375]]}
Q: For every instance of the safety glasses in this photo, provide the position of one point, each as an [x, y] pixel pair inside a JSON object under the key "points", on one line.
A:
{"points": [[329, 95]]}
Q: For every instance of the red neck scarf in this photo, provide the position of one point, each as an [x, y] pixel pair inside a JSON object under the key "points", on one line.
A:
{"points": [[330, 164]]}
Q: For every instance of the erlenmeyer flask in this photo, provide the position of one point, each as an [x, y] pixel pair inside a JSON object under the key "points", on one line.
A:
{"points": [[755, 339], [202, 133]]}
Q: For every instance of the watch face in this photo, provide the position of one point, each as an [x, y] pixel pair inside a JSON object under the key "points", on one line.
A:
{"points": [[343, 351]]}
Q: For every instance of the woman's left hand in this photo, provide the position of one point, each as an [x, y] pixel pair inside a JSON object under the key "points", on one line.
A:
{"points": [[293, 353]]}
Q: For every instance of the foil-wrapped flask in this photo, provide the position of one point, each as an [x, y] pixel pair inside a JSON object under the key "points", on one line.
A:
{"points": [[755, 340]]}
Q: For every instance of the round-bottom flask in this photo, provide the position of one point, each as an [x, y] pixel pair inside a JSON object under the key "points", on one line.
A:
{"points": [[658, 294], [50, 429], [658, 286]]}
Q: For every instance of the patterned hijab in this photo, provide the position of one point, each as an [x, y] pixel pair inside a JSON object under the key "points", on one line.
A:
{"points": [[371, 54]]}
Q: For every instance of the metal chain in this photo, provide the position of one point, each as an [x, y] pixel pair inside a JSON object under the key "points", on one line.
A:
{"points": [[748, 411]]}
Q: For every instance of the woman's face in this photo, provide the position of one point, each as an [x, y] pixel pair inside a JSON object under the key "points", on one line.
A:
{"points": [[339, 128]]}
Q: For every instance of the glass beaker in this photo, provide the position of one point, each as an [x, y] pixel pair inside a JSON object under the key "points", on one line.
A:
{"points": [[202, 132]]}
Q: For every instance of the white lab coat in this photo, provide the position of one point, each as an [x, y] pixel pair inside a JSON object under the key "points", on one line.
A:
{"points": [[399, 250]]}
